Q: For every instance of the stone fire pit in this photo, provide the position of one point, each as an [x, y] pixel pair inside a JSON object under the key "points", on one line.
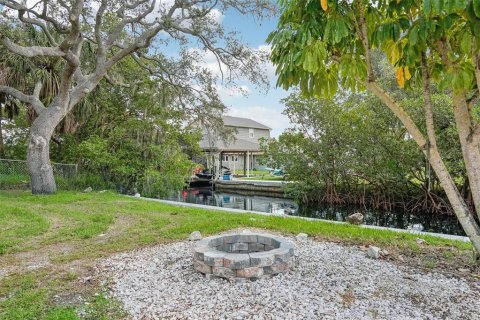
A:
{"points": [[244, 255]]}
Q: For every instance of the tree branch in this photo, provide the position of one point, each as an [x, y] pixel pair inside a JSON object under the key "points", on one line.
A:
{"points": [[363, 34], [14, 5], [401, 114], [33, 99], [428, 105], [39, 23], [98, 33], [112, 38], [33, 51]]}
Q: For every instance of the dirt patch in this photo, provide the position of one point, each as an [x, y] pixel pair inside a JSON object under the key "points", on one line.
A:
{"points": [[27, 261], [121, 224]]}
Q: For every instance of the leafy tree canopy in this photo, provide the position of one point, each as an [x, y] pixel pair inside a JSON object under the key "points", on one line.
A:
{"points": [[319, 48]]}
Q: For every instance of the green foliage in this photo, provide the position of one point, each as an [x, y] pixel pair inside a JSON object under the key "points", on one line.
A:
{"points": [[438, 36], [134, 137], [83, 180], [136, 142], [13, 181], [351, 147], [403, 30], [337, 148]]}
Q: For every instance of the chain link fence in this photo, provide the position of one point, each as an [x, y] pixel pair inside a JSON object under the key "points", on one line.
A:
{"points": [[10, 167]]}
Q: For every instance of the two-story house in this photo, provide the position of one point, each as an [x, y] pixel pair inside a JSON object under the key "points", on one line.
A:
{"points": [[243, 151]]}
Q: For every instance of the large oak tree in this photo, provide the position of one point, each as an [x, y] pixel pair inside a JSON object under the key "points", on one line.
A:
{"points": [[89, 38], [321, 45]]}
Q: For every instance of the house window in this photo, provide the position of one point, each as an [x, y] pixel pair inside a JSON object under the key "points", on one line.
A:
{"points": [[226, 158], [251, 133]]}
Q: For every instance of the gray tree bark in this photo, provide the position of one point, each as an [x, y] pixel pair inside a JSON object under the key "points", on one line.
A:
{"points": [[38, 151]]}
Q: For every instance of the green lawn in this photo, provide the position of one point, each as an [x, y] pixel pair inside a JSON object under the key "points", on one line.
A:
{"points": [[258, 175], [14, 181], [73, 229], [263, 177], [253, 172]]}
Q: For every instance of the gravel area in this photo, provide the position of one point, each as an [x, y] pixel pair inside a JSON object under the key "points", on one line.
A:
{"points": [[329, 281]]}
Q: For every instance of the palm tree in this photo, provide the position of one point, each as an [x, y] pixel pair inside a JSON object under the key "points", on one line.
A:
{"points": [[21, 73]]}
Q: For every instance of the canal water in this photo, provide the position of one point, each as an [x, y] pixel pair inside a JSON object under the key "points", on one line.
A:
{"points": [[273, 204]]}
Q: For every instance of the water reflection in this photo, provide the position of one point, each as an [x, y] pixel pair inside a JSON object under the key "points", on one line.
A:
{"points": [[272, 204]]}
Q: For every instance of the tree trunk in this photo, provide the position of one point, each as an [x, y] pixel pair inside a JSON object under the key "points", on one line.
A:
{"points": [[463, 213], [470, 150], [38, 151]]}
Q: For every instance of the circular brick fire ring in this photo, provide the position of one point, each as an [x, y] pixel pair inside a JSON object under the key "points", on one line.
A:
{"points": [[244, 255]]}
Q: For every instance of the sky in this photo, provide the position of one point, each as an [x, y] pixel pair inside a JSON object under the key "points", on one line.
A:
{"points": [[261, 106]]}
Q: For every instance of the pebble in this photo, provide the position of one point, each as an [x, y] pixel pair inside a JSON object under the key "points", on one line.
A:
{"points": [[356, 218], [302, 237], [194, 236], [160, 283], [420, 241], [373, 252]]}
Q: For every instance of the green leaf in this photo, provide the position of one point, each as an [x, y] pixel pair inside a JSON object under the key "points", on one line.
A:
{"points": [[466, 43], [427, 7], [460, 5], [438, 5], [395, 31], [455, 5], [476, 7], [476, 28], [413, 35]]}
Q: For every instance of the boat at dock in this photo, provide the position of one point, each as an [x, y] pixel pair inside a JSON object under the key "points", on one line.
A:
{"points": [[200, 180], [206, 178]]}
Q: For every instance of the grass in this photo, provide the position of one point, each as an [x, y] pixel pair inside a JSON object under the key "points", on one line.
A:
{"points": [[14, 181], [73, 229], [258, 175], [19, 224], [263, 177], [254, 172]]}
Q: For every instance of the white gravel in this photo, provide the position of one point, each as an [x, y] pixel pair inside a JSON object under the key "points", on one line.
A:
{"points": [[329, 282]]}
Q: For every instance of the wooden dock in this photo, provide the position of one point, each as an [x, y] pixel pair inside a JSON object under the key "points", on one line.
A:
{"points": [[251, 185]]}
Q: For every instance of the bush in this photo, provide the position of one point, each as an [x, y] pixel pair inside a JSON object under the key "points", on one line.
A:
{"points": [[82, 181], [14, 181]]}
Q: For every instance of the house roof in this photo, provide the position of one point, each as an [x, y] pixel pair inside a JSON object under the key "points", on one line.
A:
{"points": [[243, 122], [237, 145]]}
